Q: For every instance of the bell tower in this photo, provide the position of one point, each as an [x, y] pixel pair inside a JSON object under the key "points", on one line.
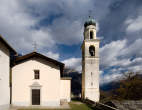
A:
{"points": [[90, 62]]}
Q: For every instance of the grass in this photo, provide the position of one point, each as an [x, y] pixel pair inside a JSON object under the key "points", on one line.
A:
{"points": [[74, 106], [79, 106]]}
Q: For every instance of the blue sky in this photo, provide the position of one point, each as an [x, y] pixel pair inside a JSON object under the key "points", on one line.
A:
{"points": [[57, 28]]}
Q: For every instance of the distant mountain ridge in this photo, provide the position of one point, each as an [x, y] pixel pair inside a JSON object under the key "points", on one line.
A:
{"points": [[77, 80], [114, 84]]}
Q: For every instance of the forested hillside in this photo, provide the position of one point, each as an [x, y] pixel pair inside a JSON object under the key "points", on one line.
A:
{"points": [[129, 88]]}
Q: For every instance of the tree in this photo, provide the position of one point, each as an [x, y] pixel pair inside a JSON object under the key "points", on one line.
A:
{"points": [[130, 87]]}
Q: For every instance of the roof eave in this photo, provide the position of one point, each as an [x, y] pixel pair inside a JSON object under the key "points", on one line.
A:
{"points": [[6, 43]]}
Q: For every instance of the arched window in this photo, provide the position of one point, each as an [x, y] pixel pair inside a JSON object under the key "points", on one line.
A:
{"points": [[92, 50], [91, 34]]}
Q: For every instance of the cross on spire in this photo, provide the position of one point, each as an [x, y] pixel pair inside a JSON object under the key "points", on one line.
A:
{"points": [[90, 13], [35, 46]]}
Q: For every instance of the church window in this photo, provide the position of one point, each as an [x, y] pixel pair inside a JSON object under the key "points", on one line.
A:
{"points": [[91, 34], [92, 50], [36, 74]]}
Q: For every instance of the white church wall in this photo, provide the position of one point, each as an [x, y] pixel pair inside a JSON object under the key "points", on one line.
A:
{"points": [[23, 78], [4, 77], [65, 89], [91, 83]]}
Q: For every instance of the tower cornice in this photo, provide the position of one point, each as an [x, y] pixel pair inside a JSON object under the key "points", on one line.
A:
{"points": [[92, 40]]}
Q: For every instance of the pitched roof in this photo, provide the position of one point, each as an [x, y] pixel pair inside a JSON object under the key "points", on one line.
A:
{"points": [[6, 44], [35, 54]]}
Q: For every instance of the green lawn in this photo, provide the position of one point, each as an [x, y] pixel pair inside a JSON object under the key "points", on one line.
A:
{"points": [[73, 105], [79, 107]]}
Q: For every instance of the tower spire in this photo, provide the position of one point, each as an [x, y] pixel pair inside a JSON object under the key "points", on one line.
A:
{"points": [[35, 46], [90, 20], [90, 13]]}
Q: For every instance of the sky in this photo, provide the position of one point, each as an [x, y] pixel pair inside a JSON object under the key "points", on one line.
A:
{"points": [[56, 26]]}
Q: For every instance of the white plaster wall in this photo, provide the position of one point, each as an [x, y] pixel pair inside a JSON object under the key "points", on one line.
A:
{"points": [[23, 78], [92, 81], [92, 66], [4, 77], [65, 90]]}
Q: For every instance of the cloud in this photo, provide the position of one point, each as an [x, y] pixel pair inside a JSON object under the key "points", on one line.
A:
{"points": [[113, 26], [133, 49], [118, 57], [135, 65], [110, 77], [51, 23], [121, 51], [17, 27], [134, 24], [62, 18], [73, 63], [66, 32], [110, 53], [48, 22], [53, 55], [118, 53]]}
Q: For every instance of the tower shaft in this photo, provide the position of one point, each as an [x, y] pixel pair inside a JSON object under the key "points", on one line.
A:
{"points": [[90, 63]]}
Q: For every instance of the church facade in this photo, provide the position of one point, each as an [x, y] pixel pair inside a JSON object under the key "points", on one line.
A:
{"points": [[37, 80], [90, 62]]}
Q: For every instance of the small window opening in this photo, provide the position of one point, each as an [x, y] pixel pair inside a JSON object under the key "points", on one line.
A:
{"points": [[36, 74], [91, 34], [91, 83], [92, 50]]}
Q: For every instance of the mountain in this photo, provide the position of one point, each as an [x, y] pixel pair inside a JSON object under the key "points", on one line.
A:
{"points": [[75, 82], [110, 86]]}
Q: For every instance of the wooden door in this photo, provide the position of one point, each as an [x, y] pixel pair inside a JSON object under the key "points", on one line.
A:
{"points": [[35, 96]]}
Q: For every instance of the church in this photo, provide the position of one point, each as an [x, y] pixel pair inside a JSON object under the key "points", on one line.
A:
{"points": [[35, 79], [31, 79]]}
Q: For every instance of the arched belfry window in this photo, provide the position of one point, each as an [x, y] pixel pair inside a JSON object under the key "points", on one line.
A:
{"points": [[91, 34], [92, 50]]}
